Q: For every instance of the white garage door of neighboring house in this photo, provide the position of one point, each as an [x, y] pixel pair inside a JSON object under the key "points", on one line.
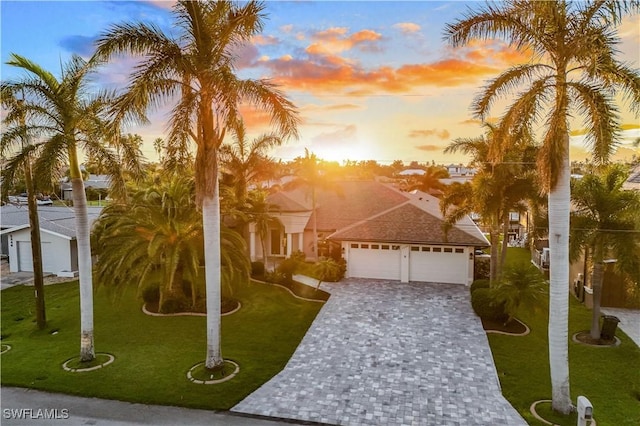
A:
{"points": [[438, 264], [25, 258], [374, 261]]}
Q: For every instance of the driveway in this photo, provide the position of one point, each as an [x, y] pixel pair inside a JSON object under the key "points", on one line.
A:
{"points": [[388, 353]]}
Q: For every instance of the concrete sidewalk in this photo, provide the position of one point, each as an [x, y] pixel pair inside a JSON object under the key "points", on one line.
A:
{"points": [[44, 408], [629, 321]]}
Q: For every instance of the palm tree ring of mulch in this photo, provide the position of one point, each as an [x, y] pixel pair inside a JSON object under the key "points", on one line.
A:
{"points": [[101, 359], [4, 348], [514, 327], [201, 375], [228, 307], [584, 337], [543, 402]]}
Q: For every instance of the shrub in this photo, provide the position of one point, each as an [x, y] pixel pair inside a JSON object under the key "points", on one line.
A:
{"points": [[298, 256], [486, 306], [330, 270], [151, 293], [257, 269], [481, 268], [288, 267], [275, 277], [482, 283], [174, 305]]}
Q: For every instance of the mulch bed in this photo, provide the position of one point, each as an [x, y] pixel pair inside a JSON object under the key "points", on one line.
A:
{"points": [[512, 327], [227, 305], [585, 337]]}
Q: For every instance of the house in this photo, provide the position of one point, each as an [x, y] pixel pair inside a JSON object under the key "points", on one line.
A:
{"points": [[380, 231], [633, 181], [100, 182], [57, 233]]}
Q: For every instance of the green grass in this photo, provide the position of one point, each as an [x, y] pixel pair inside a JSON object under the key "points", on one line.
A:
{"points": [[608, 376], [153, 354]]}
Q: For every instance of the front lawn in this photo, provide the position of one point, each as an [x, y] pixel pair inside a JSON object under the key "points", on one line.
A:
{"points": [[608, 376], [153, 354]]}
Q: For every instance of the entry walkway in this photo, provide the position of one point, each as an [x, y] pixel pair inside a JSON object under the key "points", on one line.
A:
{"points": [[629, 321], [387, 353]]}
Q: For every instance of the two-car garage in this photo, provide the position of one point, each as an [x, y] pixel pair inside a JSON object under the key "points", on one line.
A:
{"points": [[403, 262]]}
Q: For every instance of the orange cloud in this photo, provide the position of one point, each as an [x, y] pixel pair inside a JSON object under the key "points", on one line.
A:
{"points": [[494, 52], [335, 74], [428, 148], [440, 134], [407, 27], [335, 40], [262, 40]]}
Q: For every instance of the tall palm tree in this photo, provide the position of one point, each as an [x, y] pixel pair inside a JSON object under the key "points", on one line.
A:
{"points": [[196, 70], [574, 72], [606, 220], [65, 119], [16, 118], [259, 213], [430, 182]]}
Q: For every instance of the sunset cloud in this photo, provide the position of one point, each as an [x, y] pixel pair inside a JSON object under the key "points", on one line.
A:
{"points": [[337, 40], [407, 27], [429, 148], [440, 134]]}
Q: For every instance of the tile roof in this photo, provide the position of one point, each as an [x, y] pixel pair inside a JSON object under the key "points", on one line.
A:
{"points": [[411, 223], [60, 220], [372, 211]]}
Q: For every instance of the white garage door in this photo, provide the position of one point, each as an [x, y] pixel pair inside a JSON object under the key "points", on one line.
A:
{"points": [[438, 264], [374, 261], [25, 258]]}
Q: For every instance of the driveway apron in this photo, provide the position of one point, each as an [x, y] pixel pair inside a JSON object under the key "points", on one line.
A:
{"points": [[390, 353]]}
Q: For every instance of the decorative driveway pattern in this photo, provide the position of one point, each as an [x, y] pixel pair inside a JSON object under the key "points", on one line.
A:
{"points": [[388, 353]]}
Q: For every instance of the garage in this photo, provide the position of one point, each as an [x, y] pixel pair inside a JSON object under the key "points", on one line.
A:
{"points": [[438, 264], [25, 258], [367, 260]]}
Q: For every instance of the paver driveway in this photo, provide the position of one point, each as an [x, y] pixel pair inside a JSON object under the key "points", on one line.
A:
{"points": [[388, 353]]}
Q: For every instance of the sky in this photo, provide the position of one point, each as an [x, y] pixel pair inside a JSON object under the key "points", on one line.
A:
{"points": [[371, 79]]}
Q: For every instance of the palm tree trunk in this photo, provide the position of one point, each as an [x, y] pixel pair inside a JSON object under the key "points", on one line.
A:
{"points": [[559, 203], [596, 285], [36, 248], [315, 223], [493, 261], [211, 230], [505, 243], [87, 352]]}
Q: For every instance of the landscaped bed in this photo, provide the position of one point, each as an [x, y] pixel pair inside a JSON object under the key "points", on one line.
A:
{"points": [[608, 376], [152, 354]]}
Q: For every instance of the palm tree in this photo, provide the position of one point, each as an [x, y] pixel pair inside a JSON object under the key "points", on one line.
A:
{"points": [[309, 175], [259, 213], [246, 162], [430, 182], [16, 118], [494, 192], [605, 220], [66, 118], [574, 73], [159, 231], [196, 69]]}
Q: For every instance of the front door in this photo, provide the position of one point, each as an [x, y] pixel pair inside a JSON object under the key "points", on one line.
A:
{"points": [[276, 242]]}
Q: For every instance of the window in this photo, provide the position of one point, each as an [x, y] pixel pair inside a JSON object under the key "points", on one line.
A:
{"points": [[395, 247], [354, 246], [385, 247], [413, 248], [375, 246], [448, 250], [437, 249], [459, 250], [426, 248], [364, 246]]}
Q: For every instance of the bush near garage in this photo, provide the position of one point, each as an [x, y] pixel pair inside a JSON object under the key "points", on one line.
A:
{"points": [[486, 306]]}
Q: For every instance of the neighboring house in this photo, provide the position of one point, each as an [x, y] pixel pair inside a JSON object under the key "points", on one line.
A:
{"points": [[460, 170], [633, 181], [381, 232], [94, 181], [57, 233]]}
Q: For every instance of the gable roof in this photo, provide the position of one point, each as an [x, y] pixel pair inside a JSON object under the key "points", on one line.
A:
{"points": [[411, 223], [372, 211], [58, 220], [633, 181]]}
